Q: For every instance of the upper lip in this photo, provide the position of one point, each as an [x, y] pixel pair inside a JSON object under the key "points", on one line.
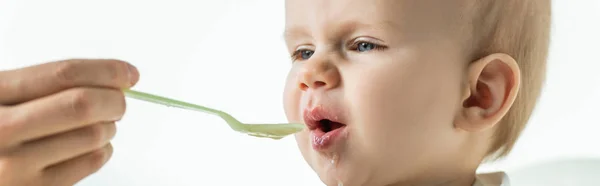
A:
{"points": [[313, 116]]}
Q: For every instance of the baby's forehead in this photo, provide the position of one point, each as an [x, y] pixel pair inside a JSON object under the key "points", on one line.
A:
{"points": [[403, 15]]}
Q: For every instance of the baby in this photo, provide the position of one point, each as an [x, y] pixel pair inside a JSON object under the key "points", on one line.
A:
{"points": [[394, 92], [413, 92]]}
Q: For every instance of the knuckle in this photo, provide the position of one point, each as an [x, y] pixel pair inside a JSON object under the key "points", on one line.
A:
{"points": [[66, 73], [81, 103], [96, 135], [97, 159]]}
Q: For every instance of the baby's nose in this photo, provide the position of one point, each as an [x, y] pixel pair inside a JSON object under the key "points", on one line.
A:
{"points": [[318, 74]]}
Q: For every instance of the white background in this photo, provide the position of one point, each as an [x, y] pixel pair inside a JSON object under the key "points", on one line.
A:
{"points": [[229, 54]]}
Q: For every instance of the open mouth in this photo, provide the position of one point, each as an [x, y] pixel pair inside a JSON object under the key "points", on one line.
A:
{"points": [[322, 120], [326, 125]]}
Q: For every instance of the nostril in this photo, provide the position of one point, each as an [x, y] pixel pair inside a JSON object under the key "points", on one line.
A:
{"points": [[316, 84], [303, 86], [319, 84]]}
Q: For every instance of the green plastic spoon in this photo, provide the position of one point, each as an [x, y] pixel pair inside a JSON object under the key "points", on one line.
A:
{"points": [[273, 131]]}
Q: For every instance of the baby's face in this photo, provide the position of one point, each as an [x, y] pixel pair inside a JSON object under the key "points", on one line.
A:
{"points": [[379, 84]]}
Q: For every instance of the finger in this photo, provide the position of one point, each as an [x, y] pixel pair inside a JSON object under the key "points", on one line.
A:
{"points": [[28, 83], [7, 131], [74, 170], [68, 110], [61, 147]]}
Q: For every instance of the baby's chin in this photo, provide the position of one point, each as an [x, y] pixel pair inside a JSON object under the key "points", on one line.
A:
{"points": [[341, 173], [337, 165], [336, 170]]}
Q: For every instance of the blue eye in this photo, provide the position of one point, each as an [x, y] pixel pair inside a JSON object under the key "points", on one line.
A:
{"points": [[302, 54], [305, 54], [363, 47]]}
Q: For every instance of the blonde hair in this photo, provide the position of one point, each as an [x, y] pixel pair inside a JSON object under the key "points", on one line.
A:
{"points": [[521, 29]]}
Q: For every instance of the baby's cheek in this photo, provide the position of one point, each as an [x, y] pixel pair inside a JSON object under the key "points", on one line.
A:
{"points": [[391, 108], [291, 100], [291, 107]]}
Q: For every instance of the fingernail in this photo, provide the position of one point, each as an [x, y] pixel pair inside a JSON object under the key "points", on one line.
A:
{"points": [[133, 74]]}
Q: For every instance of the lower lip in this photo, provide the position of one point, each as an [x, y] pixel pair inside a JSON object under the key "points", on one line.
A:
{"points": [[322, 141]]}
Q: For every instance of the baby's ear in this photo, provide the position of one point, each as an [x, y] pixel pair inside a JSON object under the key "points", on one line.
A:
{"points": [[491, 87]]}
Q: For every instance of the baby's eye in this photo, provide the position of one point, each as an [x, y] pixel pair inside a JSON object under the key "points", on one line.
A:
{"points": [[302, 54], [366, 46]]}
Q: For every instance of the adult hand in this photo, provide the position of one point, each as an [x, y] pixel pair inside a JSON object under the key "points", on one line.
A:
{"points": [[57, 119]]}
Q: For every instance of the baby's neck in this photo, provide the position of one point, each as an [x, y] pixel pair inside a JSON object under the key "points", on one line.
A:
{"points": [[463, 180]]}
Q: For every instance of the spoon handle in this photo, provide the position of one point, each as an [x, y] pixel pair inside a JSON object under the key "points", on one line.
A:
{"points": [[169, 102]]}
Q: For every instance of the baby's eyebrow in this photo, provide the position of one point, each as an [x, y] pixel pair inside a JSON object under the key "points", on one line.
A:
{"points": [[381, 25], [293, 32], [299, 31]]}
